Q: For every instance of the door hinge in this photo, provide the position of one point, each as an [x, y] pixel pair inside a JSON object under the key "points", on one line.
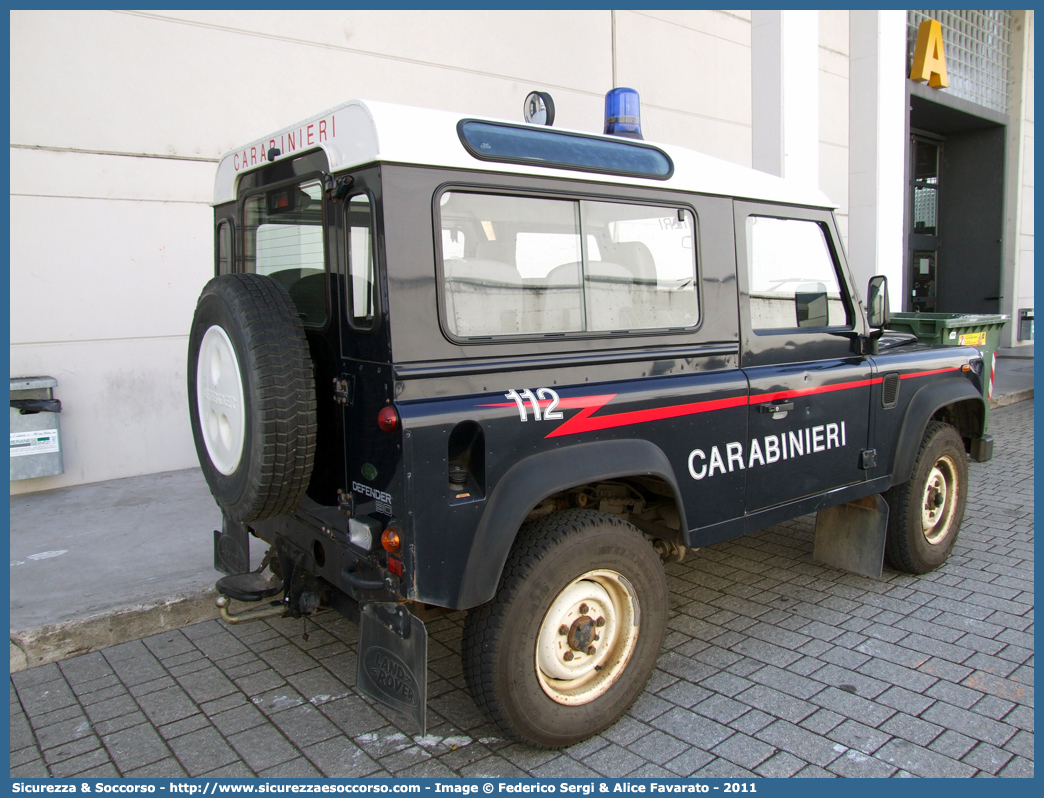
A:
{"points": [[344, 389], [869, 459]]}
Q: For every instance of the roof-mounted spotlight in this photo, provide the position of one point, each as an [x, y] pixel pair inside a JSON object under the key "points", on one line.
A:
{"points": [[539, 109], [622, 113]]}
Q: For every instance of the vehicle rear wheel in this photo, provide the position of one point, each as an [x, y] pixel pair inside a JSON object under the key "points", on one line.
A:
{"points": [[925, 513], [251, 396], [572, 636]]}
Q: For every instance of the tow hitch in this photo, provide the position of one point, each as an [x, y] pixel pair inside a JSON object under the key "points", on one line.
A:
{"points": [[250, 587], [392, 662]]}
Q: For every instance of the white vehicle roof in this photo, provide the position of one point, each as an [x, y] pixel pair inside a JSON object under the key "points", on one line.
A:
{"points": [[361, 131]]}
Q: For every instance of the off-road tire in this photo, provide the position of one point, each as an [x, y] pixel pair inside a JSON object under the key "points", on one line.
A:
{"points": [[907, 547], [499, 646], [278, 392]]}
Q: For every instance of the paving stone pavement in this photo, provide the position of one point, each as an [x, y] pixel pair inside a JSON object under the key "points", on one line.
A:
{"points": [[773, 665]]}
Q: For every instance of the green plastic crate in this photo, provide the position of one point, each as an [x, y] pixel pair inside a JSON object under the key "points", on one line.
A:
{"points": [[958, 329]]}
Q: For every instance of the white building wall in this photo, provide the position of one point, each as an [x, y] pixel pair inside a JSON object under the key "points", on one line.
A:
{"points": [[877, 147], [692, 70], [1024, 255], [833, 113], [118, 118], [785, 94]]}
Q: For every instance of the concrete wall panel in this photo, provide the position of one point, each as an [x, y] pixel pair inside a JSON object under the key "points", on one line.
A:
{"points": [[111, 269], [124, 407], [89, 176], [676, 68], [733, 26], [143, 57]]}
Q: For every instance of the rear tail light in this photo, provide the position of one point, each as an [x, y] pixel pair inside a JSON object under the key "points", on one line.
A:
{"points": [[395, 566], [387, 419]]}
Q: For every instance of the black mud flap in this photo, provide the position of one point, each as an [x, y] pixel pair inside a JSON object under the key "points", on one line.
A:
{"points": [[393, 670], [852, 536], [231, 548], [982, 448]]}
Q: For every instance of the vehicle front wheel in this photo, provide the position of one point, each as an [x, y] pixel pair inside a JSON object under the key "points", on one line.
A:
{"points": [[925, 513], [572, 636]]}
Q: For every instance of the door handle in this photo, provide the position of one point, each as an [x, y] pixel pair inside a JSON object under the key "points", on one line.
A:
{"points": [[779, 407]]}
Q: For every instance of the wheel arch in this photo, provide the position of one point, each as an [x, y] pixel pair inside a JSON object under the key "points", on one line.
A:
{"points": [[953, 401], [533, 479]]}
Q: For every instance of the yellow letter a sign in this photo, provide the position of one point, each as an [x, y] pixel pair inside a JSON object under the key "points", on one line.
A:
{"points": [[929, 61]]}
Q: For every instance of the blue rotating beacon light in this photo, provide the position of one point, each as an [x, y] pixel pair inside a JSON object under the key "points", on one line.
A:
{"points": [[622, 114]]}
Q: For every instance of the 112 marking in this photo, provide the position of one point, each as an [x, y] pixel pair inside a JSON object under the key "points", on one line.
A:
{"points": [[543, 395]]}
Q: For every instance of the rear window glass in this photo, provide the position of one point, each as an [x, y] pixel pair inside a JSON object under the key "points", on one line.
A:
{"points": [[535, 266], [283, 239], [544, 147]]}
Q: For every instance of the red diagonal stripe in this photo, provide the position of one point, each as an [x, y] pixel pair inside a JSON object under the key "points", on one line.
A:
{"points": [[926, 373], [583, 422], [773, 396]]}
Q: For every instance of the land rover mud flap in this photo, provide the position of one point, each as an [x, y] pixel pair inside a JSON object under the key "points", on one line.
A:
{"points": [[852, 536], [393, 660]]}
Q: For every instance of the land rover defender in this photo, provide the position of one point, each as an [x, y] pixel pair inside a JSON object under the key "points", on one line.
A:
{"points": [[450, 363]]}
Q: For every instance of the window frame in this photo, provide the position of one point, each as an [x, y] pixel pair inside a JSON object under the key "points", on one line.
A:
{"points": [[574, 196], [297, 180], [844, 288], [375, 321]]}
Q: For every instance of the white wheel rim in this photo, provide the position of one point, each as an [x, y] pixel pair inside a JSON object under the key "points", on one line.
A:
{"points": [[939, 500], [575, 668], [219, 399]]}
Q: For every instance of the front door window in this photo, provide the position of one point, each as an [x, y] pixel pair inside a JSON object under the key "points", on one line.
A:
{"points": [[809, 403]]}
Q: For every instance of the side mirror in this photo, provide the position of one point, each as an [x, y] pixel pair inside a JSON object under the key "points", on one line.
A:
{"points": [[877, 312]]}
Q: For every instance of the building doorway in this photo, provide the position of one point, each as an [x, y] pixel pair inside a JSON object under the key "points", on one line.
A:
{"points": [[955, 209]]}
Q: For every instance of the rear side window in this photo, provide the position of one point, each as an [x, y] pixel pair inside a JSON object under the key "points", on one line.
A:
{"points": [[535, 266], [793, 277], [224, 248], [283, 239], [361, 306]]}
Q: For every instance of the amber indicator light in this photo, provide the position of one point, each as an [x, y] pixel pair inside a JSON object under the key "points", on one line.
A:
{"points": [[390, 540]]}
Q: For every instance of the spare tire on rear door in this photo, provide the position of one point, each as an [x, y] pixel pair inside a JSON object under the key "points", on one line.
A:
{"points": [[251, 394]]}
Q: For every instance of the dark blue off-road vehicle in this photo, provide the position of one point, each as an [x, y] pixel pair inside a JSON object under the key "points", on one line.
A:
{"points": [[460, 364]]}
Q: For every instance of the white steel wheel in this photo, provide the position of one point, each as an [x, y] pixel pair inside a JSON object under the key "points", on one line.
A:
{"points": [[536, 660], [219, 399], [925, 512], [587, 637], [939, 500]]}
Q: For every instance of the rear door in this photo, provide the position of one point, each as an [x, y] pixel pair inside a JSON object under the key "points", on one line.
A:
{"points": [[286, 235], [809, 386], [365, 383]]}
